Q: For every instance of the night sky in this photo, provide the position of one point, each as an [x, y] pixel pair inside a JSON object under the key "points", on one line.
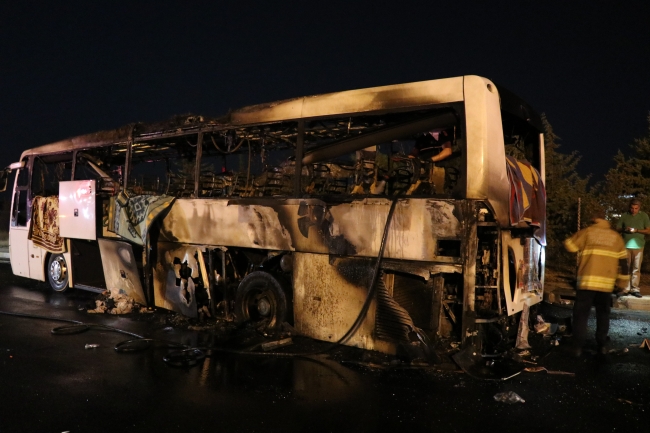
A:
{"points": [[70, 68]]}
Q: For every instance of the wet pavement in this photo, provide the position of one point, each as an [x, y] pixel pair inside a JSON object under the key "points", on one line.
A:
{"points": [[52, 383]]}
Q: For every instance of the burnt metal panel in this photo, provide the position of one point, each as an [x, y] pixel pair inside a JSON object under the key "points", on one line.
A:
{"points": [[351, 228], [178, 275], [120, 269], [326, 307], [215, 222]]}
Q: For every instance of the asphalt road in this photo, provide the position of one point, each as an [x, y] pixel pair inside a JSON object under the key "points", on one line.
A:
{"points": [[51, 383]]}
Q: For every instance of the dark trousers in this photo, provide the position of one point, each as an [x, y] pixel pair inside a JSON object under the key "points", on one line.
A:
{"points": [[585, 299]]}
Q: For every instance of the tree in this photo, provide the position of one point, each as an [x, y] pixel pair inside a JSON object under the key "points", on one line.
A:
{"points": [[629, 178], [565, 189]]}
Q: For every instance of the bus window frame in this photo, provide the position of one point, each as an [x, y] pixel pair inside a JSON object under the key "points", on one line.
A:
{"points": [[19, 190]]}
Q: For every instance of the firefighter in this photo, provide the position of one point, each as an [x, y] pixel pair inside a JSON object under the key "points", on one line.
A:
{"points": [[602, 267]]}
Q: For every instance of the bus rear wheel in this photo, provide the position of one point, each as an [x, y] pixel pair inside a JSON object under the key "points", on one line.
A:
{"points": [[261, 299], [57, 273]]}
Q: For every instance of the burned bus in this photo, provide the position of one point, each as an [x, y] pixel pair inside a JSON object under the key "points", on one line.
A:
{"points": [[383, 218]]}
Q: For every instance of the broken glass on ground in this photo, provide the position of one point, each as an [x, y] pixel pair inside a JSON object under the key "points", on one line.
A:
{"points": [[510, 397]]}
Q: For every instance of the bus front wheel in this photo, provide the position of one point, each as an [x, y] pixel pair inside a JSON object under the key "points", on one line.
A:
{"points": [[262, 300], [57, 273]]}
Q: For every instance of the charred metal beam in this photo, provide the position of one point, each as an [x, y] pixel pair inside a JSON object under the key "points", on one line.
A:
{"points": [[469, 251], [197, 164], [383, 135], [436, 303], [127, 162], [297, 178]]}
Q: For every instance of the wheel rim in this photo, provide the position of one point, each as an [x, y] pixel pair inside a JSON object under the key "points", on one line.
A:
{"points": [[58, 271], [261, 305], [261, 300]]}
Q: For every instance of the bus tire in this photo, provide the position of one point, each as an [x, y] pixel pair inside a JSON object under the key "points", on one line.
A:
{"points": [[57, 273], [261, 299]]}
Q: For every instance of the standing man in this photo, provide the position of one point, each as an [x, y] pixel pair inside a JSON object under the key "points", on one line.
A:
{"points": [[603, 265], [634, 225]]}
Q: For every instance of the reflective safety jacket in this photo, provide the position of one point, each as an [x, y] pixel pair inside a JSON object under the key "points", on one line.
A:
{"points": [[603, 259]]}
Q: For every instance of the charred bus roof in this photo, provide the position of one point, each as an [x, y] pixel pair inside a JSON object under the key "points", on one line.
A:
{"points": [[375, 100]]}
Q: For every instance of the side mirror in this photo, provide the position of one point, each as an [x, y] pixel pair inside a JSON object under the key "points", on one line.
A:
{"points": [[4, 174], [4, 178]]}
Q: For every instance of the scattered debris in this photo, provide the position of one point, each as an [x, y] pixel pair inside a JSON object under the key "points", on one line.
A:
{"points": [[370, 365], [115, 302], [275, 344], [548, 328], [509, 397], [542, 327], [538, 369], [501, 368], [206, 327], [622, 400], [522, 334], [184, 358]]}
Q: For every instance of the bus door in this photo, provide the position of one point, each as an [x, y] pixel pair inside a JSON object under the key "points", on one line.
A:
{"points": [[19, 223]]}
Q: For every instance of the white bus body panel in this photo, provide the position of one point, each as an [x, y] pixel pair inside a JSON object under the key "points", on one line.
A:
{"points": [[77, 209], [19, 251], [36, 262]]}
